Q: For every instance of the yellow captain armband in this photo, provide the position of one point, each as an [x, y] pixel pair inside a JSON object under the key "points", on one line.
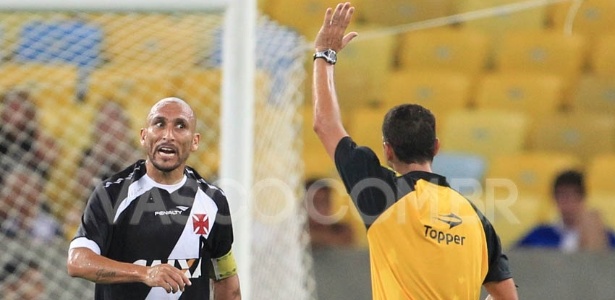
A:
{"points": [[223, 267]]}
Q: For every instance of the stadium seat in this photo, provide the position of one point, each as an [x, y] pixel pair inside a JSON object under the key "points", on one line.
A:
{"points": [[593, 18], [532, 172], [439, 91], [577, 133], [156, 39], [52, 85], [463, 171], [373, 56], [457, 50], [518, 186], [366, 129], [73, 42], [484, 132], [533, 94], [399, 12], [542, 52], [502, 22], [602, 55], [600, 173], [65, 41], [202, 87], [134, 87], [307, 18], [601, 186], [513, 218], [595, 94], [53, 88]]}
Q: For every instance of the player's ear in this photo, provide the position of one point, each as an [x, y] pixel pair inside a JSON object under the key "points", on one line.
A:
{"points": [[142, 139], [195, 142]]}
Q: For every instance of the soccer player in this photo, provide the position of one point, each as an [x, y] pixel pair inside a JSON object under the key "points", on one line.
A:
{"points": [[426, 241], [157, 230]]}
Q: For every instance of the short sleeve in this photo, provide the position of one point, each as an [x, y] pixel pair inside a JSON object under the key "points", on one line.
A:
{"points": [[498, 262], [220, 240], [370, 185], [96, 222]]}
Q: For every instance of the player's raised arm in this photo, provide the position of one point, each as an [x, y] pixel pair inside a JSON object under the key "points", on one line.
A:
{"points": [[331, 39]]}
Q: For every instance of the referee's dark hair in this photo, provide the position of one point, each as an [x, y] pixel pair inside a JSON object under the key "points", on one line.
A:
{"points": [[570, 177], [410, 130]]}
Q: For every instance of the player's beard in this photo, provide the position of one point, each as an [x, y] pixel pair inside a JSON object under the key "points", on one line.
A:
{"points": [[165, 166]]}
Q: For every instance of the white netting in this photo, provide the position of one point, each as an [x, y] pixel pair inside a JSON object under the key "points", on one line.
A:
{"points": [[76, 88]]}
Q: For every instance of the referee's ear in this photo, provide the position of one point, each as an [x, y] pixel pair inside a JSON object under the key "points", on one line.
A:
{"points": [[436, 147]]}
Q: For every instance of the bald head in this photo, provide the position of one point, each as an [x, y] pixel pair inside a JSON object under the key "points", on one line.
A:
{"points": [[183, 105]]}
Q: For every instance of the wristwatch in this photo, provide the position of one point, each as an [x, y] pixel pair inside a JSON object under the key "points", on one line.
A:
{"points": [[329, 55]]}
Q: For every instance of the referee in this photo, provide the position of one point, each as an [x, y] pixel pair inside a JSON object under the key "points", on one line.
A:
{"points": [[426, 241]]}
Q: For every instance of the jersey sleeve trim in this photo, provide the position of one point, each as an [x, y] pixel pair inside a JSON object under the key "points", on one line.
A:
{"points": [[82, 242]]}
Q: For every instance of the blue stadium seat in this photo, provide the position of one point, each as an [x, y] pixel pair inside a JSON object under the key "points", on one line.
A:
{"points": [[61, 42], [464, 171]]}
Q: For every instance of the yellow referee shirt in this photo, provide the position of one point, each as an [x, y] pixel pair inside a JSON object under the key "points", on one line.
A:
{"points": [[426, 241]]}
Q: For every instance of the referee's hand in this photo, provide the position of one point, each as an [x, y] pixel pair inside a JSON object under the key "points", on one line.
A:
{"points": [[168, 277]]}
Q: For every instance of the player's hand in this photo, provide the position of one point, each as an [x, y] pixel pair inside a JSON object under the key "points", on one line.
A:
{"points": [[168, 277], [331, 34]]}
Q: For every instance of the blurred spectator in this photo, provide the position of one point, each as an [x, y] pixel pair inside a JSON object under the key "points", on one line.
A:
{"points": [[21, 140], [23, 207], [578, 228], [22, 280], [113, 147], [325, 225]]}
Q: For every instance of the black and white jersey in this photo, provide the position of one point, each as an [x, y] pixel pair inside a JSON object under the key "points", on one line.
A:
{"points": [[130, 218]]}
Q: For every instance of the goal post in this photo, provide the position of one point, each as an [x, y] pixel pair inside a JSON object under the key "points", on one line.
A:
{"points": [[216, 55]]}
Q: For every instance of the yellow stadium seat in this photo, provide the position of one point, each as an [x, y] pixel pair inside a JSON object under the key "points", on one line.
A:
{"points": [[457, 50], [593, 18], [601, 186], [305, 16], [361, 57], [602, 55], [439, 91], [529, 93], [398, 12], [542, 52], [503, 21], [581, 134], [486, 132], [604, 202], [202, 88], [134, 87], [517, 190], [600, 173], [595, 93], [366, 129], [153, 38], [532, 172], [48, 84], [514, 218]]}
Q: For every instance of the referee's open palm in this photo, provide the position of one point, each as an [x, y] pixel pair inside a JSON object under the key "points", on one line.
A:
{"points": [[331, 34]]}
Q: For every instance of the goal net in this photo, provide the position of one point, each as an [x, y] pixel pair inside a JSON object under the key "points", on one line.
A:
{"points": [[75, 89]]}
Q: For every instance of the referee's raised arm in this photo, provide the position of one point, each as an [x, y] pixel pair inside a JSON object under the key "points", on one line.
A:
{"points": [[331, 39]]}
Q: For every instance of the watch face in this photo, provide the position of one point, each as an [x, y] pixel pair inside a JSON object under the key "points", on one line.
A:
{"points": [[329, 55]]}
